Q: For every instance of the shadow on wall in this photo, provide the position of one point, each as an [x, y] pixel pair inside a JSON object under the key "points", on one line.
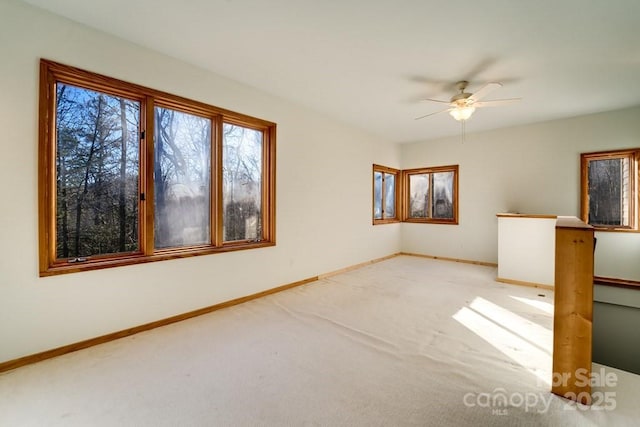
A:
{"points": [[616, 336]]}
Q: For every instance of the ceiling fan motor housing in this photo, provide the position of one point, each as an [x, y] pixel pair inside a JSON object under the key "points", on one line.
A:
{"points": [[461, 98]]}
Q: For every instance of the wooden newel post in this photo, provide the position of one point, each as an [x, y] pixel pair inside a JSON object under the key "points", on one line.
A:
{"points": [[572, 323]]}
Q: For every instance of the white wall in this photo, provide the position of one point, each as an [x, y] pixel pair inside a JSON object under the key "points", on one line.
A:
{"points": [[533, 169], [323, 193], [323, 196], [526, 249]]}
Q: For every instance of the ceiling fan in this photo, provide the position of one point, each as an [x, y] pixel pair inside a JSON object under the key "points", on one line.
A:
{"points": [[463, 104]]}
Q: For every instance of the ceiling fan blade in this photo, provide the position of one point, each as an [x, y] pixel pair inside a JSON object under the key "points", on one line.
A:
{"points": [[431, 114], [485, 90], [479, 68], [436, 100], [496, 102]]}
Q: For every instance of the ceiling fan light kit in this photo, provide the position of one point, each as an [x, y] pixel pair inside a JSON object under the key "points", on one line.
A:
{"points": [[462, 113], [462, 105]]}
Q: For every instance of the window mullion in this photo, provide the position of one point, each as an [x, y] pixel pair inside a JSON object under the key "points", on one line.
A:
{"points": [[635, 194], [398, 192], [430, 197], [406, 198], [217, 205], [267, 186], [625, 191], [383, 195], [147, 207]]}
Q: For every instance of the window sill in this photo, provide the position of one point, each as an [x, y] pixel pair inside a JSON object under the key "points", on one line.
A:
{"points": [[385, 221], [63, 267], [615, 230], [431, 221]]}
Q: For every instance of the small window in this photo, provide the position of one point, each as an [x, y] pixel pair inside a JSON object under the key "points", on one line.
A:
{"points": [[96, 164], [242, 183], [431, 195], [385, 190], [609, 197]]}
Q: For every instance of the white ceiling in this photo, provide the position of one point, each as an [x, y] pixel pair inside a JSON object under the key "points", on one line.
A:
{"points": [[369, 62]]}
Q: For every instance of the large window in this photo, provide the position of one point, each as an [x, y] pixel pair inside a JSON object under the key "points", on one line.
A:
{"points": [[130, 174], [431, 195], [609, 190], [385, 194]]}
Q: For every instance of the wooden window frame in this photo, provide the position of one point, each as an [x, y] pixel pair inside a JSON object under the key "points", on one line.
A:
{"points": [[397, 216], [633, 155], [50, 74], [406, 198]]}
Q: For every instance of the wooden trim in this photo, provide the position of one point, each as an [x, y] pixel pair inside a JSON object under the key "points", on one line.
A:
{"points": [[147, 155], [633, 154], [615, 230], [397, 184], [217, 221], [431, 221], [385, 221], [523, 283], [49, 263], [269, 225], [620, 283], [406, 188], [386, 169], [357, 266], [119, 87], [160, 255], [572, 222], [268, 187], [464, 261], [45, 217], [517, 215], [584, 188], [573, 312], [59, 351]]}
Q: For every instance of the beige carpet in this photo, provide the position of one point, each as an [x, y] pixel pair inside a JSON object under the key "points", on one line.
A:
{"points": [[405, 342]]}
